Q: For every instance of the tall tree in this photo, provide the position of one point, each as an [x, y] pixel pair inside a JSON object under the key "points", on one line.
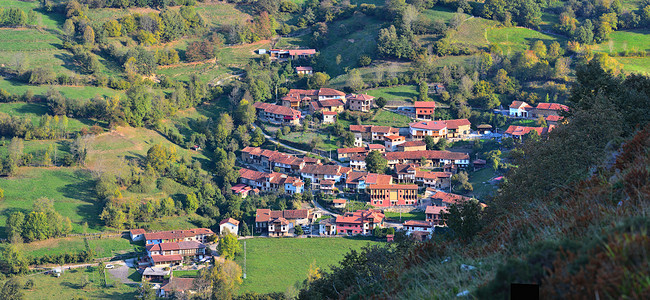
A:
{"points": [[375, 162]]}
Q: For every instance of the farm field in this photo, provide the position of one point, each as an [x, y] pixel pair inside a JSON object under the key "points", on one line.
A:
{"points": [[109, 151], [106, 247], [34, 111], [417, 215], [69, 286], [632, 40], [395, 93], [515, 39], [635, 64], [479, 181], [70, 188], [275, 264], [389, 118], [74, 92], [471, 33], [329, 142]]}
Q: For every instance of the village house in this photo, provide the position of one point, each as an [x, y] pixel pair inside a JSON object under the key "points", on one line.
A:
{"points": [[553, 120], [385, 195], [417, 145], [458, 128], [371, 133], [519, 109], [177, 285], [229, 225], [330, 94], [284, 54], [358, 162], [360, 102], [361, 180], [422, 129], [438, 158], [436, 88], [196, 234], [517, 132], [174, 252], [434, 214], [391, 142], [344, 153], [549, 109], [440, 198], [437, 180], [413, 226], [405, 173], [277, 114], [327, 187], [297, 98], [271, 182], [270, 159], [317, 173], [329, 117], [243, 190], [358, 139], [304, 70], [279, 222], [327, 226], [339, 203], [328, 105], [136, 234], [156, 273], [425, 110], [359, 222]]}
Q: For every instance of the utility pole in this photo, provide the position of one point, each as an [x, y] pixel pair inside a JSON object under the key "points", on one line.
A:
{"points": [[244, 259]]}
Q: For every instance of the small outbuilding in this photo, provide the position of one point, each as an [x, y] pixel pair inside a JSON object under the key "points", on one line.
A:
{"points": [[229, 225]]}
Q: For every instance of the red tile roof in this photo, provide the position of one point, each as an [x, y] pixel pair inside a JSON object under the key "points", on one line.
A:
{"points": [[330, 92], [424, 104], [454, 124], [351, 150], [276, 109], [360, 97], [429, 125], [322, 170], [360, 217], [327, 182], [394, 137], [137, 231], [413, 143], [432, 175], [179, 284], [554, 118], [552, 106], [376, 147], [380, 179], [251, 174], [304, 69], [435, 210], [393, 187], [267, 215], [339, 201], [231, 221], [523, 130], [520, 105], [166, 258], [427, 154], [302, 52], [448, 197], [417, 223], [330, 113]]}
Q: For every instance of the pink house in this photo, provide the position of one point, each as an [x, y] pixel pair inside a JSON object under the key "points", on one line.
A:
{"points": [[359, 222]]}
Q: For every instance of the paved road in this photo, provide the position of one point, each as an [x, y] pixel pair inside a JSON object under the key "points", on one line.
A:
{"points": [[121, 272]]}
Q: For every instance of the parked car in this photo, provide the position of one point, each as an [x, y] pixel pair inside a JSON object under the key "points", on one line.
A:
{"points": [[109, 266]]}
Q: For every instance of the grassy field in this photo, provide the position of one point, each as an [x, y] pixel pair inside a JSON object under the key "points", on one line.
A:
{"points": [[471, 33], [637, 40], [329, 142], [479, 181], [635, 64], [516, 39], [275, 264], [395, 93], [341, 40], [186, 274], [109, 151], [388, 118], [416, 215], [34, 111], [221, 13], [74, 92], [70, 188], [107, 247], [68, 286]]}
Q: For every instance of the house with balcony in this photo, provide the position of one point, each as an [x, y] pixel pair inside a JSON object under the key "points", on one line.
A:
{"points": [[277, 114], [435, 129], [392, 142], [359, 222], [304, 70], [371, 133], [317, 173], [174, 252], [196, 234], [361, 180], [360, 102], [271, 182], [418, 226], [279, 222], [425, 110], [458, 128], [436, 180], [434, 215]]}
